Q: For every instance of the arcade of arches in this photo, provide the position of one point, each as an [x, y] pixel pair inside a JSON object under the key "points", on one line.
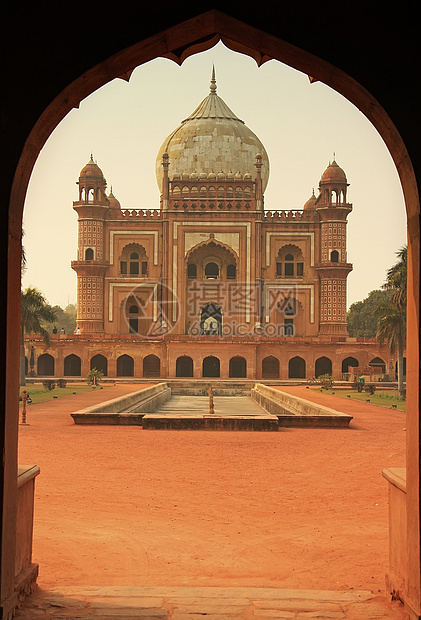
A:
{"points": [[270, 362]]}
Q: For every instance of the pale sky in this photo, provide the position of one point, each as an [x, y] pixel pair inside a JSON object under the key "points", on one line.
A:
{"points": [[301, 125]]}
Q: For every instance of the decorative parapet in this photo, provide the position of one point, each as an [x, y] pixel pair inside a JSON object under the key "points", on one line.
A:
{"points": [[218, 205], [291, 215], [139, 214]]}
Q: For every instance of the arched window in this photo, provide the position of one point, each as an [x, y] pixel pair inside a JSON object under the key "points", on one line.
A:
{"points": [[289, 321], [289, 265], [231, 272], [192, 271], [89, 254], [134, 264], [290, 262], [134, 261], [334, 256], [133, 319], [211, 271]]}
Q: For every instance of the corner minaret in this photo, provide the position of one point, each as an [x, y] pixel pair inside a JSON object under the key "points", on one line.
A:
{"points": [[333, 269], [90, 266]]}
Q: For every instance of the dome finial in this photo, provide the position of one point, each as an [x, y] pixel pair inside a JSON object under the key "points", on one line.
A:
{"points": [[213, 82]]}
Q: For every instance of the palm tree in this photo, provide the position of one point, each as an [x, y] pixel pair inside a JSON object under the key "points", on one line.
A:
{"points": [[396, 279], [34, 312], [391, 326], [391, 317]]}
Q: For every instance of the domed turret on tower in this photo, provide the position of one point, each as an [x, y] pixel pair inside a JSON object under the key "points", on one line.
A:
{"points": [[333, 184], [210, 141], [310, 203], [92, 184], [114, 203]]}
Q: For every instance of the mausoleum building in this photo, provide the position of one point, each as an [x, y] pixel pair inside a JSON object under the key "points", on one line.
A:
{"points": [[211, 282]]}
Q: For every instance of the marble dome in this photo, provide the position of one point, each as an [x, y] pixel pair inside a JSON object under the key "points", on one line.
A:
{"points": [[212, 140]]}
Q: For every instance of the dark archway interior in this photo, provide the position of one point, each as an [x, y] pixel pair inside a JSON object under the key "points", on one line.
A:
{"points": [[72, 366], [125, 366], [100, 362], [184, 366], [211, 367]]}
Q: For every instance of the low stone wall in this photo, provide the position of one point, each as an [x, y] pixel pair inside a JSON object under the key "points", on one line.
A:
{"points": [[397, 577], [210, 423], [298, 412], [126, 410], [26, 571]]}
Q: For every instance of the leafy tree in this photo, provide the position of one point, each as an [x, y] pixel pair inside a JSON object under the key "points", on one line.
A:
{"points": [[35, 313], [94, 377], [64, 318], [361, 317]]}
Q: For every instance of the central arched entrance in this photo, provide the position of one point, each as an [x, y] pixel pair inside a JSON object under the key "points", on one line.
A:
{"points": [[211, 320]]}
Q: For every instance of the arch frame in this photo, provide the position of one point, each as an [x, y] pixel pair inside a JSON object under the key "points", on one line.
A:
{"points": [[177, 43]]}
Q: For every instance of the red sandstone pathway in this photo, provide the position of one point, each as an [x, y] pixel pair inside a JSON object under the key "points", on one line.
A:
{"points": [[301, 508]]}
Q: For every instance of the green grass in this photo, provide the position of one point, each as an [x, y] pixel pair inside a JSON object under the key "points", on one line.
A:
{"points": [[385, 398], [39, 394]]}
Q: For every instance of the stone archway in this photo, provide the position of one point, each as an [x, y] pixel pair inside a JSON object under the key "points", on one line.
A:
{"points": [[99, 362], [184, 366], [180, 41], [270, 367], [72, 365], [323, 366], [45, 365], [238, 367], [211, 367]]}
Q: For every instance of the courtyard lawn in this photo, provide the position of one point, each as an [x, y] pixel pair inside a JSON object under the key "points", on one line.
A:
{"points": [[384, 398], [39, 394]]}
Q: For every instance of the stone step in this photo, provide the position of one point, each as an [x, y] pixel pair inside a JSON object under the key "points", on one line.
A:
{"points": [[214, 603]]}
